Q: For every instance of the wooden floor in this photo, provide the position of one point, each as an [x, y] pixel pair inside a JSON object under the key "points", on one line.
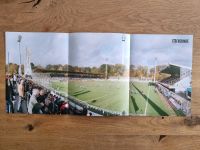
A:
{"points": [[38, 132]]}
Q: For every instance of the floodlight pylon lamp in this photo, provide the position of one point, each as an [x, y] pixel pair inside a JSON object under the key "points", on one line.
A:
{"points": [[19, 38], [123, 37]]}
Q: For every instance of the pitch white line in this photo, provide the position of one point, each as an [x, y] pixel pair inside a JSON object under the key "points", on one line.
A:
{"points": [[147, 102]]}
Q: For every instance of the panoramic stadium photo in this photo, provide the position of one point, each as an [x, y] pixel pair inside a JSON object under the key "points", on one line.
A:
{"points": [[61, 73], [98, 74]]}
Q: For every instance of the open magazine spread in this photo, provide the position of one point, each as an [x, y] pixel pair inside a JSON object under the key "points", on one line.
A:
{"points": [[98, 74]]}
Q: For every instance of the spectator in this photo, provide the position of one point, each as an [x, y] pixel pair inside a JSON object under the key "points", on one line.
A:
{"points": [[37, 108], [14, 79], [9, 95], [33, 100], [64, 107], [41, 100], [85, 111], [41, 97], [22, 104]]}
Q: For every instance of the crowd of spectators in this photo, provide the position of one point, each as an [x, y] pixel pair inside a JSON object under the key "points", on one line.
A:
{"points": [[24, 96]]}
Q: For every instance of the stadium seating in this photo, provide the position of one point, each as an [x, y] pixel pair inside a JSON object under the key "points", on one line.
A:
{"points": [[170, 80]]}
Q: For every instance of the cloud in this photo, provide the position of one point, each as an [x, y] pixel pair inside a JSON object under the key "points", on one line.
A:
{"points": [[82, 49], [46, 48], [92, 49], [145, 48]]}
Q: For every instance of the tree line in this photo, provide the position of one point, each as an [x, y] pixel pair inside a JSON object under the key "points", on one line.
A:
{"points": [[147, 72], [112, 70]]}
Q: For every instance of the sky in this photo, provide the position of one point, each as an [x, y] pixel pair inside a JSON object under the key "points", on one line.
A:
{"points": [[46, 48], [94, 49], [77, 49], [146, 47]]}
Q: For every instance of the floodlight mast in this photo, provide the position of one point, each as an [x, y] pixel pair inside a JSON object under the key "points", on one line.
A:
{"points": [[106, 77], [123, 47], [147, 99], [20, 64], [155, 70]]}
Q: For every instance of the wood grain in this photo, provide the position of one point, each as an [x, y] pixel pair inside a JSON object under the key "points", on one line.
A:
{"points": [[131, 16], [83, 125], [107, 142]]}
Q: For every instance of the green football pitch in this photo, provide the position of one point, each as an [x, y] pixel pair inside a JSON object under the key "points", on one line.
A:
{"points": [[145, 100], [106, 94], [115, 96]]}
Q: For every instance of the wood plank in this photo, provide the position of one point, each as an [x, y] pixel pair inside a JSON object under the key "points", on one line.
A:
{"points": [[108, 142], [130, 16], [83, 125]]}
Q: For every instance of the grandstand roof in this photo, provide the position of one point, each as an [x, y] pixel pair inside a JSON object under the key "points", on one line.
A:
{"points": [[173, 69], [185, 67]]}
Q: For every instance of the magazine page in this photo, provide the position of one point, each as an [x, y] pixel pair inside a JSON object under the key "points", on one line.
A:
{"points": [[34, 64], [61, 73], [160, 75], [99, 73]]}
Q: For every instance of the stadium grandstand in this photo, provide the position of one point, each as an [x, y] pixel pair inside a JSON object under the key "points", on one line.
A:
{"points": [[179, 79], [177, 87]]}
